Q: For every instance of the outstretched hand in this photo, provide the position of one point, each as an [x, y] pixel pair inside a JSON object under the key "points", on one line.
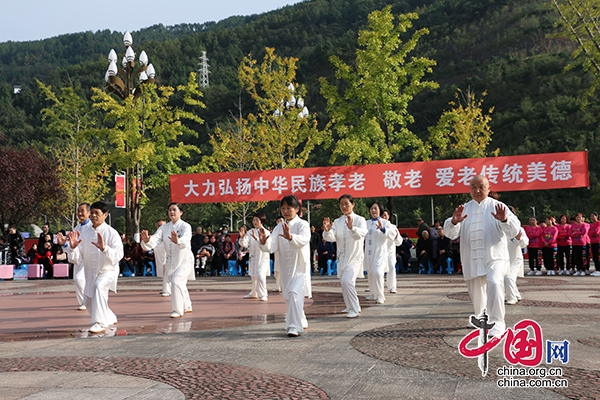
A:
{"points": [[174, 237], [500, 213], [457, 215], [73, 239], [262, 235], [349, 222], [286, 231], [145, 236], [326, 224], [99, 243]]}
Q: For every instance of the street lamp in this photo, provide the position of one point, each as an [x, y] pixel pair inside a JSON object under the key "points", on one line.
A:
{"points": [[533, 209], [396, 217], [124, 80]]}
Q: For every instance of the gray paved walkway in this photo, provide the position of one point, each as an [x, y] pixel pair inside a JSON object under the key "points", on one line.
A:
{"points": [[234, 348]]}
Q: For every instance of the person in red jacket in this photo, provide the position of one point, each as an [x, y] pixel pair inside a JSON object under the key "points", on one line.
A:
{"points": [[549, 234], [579, 238], [594, 235], [563, 248], [534, 250]]}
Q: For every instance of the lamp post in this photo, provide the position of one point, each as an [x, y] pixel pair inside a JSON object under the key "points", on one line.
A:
{"points": [[124, 80]]}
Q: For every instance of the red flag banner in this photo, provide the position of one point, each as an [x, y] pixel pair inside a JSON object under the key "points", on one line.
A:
{"points": [[506, 174], [119, 191]]}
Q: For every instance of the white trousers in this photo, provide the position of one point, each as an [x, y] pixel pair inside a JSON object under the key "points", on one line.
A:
{"points": [[512, 291], [487, 292], [348, 282], [293, 295], [277, 281], [259, 286], [166, 285], [391, 274], [97, 305], [79, 280], [180, 297]]}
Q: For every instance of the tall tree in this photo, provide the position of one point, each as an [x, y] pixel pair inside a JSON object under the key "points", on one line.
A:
{"points": [[371, 115], [69, 121], [144, 139], [30, 186], [282, 132], [461, 132]]}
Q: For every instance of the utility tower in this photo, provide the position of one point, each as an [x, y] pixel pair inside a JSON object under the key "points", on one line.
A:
{"points": [[203, 70]]}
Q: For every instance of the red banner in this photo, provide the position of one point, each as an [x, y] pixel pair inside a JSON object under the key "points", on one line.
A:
{"points": [[120, 191], [506, 174]]}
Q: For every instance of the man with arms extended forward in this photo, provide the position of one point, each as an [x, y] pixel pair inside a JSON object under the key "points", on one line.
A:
{"points": [[484, 225], [100, 249]]}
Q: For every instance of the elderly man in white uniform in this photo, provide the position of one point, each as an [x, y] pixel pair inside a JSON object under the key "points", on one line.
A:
{"points": [[349, 232], [394, 239], [162, 270], [290, 242], [379, 232], [83, 215], [484, 226], [515, 251], [176, 237], [259, 262], [100, 249]]}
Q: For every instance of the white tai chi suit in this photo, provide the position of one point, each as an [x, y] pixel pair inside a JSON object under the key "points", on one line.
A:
{"points": [[180, 261], [516, 265], [376, 255], [259, 263], [350, 255], [394, 239], [484, 255], [101, 270], [162, 269], [78, 269], [293, 257]]}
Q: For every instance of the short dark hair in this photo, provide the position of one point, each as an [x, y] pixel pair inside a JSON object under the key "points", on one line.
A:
{"points": [[178, 205], [100, 205], [378, 206], [291, 201], [261, 216], [87, 206], [346, 196]]}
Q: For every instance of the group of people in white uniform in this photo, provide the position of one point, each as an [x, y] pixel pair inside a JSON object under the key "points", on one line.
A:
{"points": [[491, 235]]}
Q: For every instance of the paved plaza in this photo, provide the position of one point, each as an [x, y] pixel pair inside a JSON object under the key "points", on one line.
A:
{"points": [[230, 348]]}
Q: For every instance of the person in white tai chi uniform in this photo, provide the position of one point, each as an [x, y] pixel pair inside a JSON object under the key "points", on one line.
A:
{"points": [[100, 249], [290, 242], [162, 269], [379, 233], [83, 215], [485, 226], [515, 251], [259, 263], [394, 239], [348, 231], [175, 236]]}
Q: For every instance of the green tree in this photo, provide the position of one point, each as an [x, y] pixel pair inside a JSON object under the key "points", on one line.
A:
{"points": [[461, 132], [144, 139], [69, 121], [371, 116], [580, 22]]}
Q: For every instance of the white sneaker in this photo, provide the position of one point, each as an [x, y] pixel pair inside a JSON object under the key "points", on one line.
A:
{"points": [[165, 294], [530, 273], [249, 296], [538, 273], [568, 272], [576, 273], [187, 311], [367, 290], [97, 328], [596, 273], [495, 332], [292, 332], [379, 301], [264, 298], [352, 314], [586, 272], [344, 311], [393, 291], [370, 297], [552, 272], [561, 272], [82, 307], [511, 302], [175, 314]]}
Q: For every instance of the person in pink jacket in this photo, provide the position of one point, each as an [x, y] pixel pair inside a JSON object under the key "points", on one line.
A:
{"points": [[549, 234], [534, 250], [594, 235], [563, 241], [579, 238]]}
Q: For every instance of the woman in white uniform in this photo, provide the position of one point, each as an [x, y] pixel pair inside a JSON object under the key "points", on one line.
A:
{"points": [[376, 252], [290, 242], [348, 231], [259, 263], [176, 237], [394, 239]]}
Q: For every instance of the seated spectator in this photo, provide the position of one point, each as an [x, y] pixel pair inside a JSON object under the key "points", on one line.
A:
{"points": [[215, 263], [404, 252], [204, 257], [424, 251], [148, 261], [31, 253], [44, 257], [45, 236], [444, 249], [17, 246], [325, 252], [132, 258], [242, 254], [5, 258]]}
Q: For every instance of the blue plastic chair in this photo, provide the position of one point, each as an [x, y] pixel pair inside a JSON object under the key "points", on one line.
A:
{"points": [[232, 270], [152, 269]]}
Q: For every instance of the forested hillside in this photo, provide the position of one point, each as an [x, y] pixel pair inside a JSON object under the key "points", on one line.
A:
{"points": [[501, 47]]}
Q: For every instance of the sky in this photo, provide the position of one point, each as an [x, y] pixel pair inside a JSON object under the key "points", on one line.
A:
{"points": [[25, 20]]}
